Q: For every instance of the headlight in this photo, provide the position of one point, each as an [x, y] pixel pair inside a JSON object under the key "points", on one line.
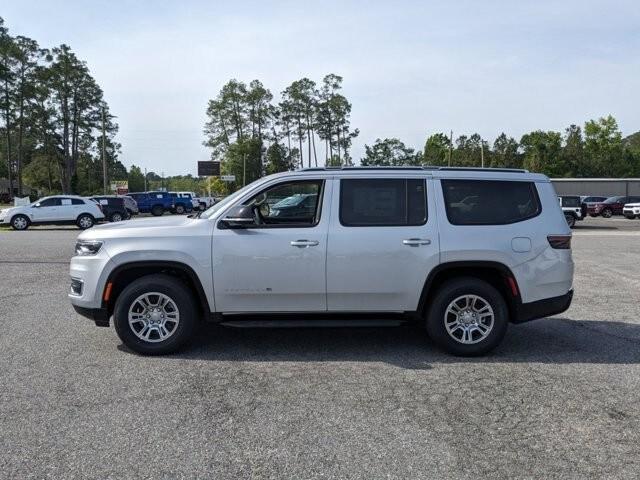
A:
{"points": [[84, 247]]}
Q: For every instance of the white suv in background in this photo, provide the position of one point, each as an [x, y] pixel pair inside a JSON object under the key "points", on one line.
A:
{"points": [[55, 210], [631, 210], [368, 246]]}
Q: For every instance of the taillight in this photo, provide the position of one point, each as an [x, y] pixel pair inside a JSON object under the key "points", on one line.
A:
{"points": [[560, 242]]}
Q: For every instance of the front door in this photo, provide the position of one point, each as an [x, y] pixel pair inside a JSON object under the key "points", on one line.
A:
{"points": [[276, 264], [383, 243], [46, 210]]}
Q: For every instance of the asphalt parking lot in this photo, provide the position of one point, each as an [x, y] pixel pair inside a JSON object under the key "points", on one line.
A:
{"points": [[559, 399]]}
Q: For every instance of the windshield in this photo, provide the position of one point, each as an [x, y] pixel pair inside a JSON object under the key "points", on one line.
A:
{"points": [[227, 200]]}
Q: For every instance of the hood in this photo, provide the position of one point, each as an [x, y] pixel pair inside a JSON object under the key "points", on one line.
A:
{"points": [[5, 211], [632, 205], [143, 227]]}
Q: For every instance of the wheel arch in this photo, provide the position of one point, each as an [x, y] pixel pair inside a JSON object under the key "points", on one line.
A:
{"points": [[496, 274], [124, 274], [19, 214]]}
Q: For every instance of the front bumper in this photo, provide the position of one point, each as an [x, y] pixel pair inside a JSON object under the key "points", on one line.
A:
{"points": [[99, 315], [542, 308]]}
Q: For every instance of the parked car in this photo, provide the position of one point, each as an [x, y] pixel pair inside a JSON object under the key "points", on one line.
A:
{"points": [[198, 204], [571, 208], [206, 202], [112, 206], [295, 206], [587, 201], [611, 206], [182, 202], [155, 203], [381, 245], [130, 204], [631, 210], [54, 210]]}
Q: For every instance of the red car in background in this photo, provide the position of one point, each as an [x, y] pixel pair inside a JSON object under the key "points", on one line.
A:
{"points": [[611, 206]]}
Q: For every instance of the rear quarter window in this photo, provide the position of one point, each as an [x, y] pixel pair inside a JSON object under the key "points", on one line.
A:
{"points": [[489, 202]]}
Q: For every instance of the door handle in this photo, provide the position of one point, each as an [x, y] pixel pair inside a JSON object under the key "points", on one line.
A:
{"points": [[415, 242], [304, 243]]}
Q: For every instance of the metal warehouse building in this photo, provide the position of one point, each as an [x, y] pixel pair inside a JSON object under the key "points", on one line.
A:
{"points": [[606, 187]]}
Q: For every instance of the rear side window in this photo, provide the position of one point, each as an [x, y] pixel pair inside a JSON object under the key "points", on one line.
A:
{"points": [[382, 202], [489, 202], [570, 202], [77, 201]]}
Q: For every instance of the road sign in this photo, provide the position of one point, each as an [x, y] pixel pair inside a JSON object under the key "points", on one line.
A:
{"points": [[208, 169], [228, 178], [121, 187]]}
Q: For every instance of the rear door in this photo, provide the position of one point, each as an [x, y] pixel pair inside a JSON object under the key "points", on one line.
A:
{"points": [[383, 243]]}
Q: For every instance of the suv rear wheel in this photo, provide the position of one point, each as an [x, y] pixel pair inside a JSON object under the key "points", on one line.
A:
{"points": [[155, 315], [467, 317], [20, 222], [116, 217], [85, 221], [607, 213], [157, 210], [179, 209]]}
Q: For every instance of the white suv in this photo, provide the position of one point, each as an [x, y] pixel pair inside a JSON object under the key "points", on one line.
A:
{"points": [[55, 210], [362, 246]]}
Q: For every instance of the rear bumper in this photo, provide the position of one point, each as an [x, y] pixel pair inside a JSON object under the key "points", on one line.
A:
{"points": [[543, 308], [99, 315]]}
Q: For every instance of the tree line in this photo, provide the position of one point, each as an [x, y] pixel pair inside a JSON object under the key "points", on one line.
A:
{"points": [[597, 150], [252, 135], [52, 119]]}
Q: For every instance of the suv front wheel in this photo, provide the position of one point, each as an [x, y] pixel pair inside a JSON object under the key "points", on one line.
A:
{"points": [[155, 315], [467, 317]]}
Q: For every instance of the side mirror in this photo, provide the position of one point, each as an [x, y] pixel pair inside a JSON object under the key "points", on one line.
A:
{"points": [[239, 217], [36, 205]]}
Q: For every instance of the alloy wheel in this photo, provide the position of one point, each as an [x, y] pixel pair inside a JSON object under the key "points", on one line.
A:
{"points": [[153, 317], [469, 319]]}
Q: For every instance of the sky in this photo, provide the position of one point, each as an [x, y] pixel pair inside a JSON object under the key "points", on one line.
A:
{"points": [[410, 68]]}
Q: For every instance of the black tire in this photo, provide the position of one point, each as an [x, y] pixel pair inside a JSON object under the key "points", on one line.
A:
{"points": [[116, 217], [129, 214], [85, 221], [630, 217], [607, 213], [20, 222], [179, 209], [437, 316], [571, 220], [181, 296], [157, 211]]}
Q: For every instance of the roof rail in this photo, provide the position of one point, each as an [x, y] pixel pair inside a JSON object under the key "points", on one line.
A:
{"points": [[424, 167]]}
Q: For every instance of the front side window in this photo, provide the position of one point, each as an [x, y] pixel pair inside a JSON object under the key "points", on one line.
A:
{"points": [[288, 204], [382, 202], [489, 202]]}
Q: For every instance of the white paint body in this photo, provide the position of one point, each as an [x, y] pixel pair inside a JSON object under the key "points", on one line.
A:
{"points": [[67, 212], [351, 269]]}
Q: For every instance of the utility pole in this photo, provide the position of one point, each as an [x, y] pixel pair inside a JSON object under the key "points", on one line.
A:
{"points": [[145, 179], [450, 146], [244, 169], [104, 153], [481, 153]]}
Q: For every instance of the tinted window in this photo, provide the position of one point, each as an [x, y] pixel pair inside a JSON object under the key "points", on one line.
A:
{"points": [[570, 201], [633, 200], [76, 201], [382, 202], [614, 200], [488, 202], [50, 202]]}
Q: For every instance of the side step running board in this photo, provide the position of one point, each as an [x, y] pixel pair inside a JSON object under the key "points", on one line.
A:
{"points": [[312, 323]]}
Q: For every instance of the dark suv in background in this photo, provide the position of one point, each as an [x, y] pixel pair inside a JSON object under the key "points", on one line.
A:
{"points": [[112, 206], [611, 206]]}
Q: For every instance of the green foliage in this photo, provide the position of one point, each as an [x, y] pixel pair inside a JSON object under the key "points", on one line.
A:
{"points": [[52, 112], [244, 160], [278, 159], [136, 179], [541, 151], [389, 152], [436, 150]]}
